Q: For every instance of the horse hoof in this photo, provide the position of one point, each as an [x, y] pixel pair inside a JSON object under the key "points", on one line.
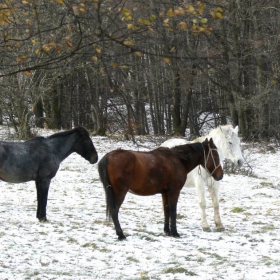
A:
{"points": [[221, 229], [207, 229], [43, 220], [122, 237], [175, 234]]}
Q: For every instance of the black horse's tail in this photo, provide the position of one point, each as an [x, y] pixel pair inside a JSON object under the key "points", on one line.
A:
{"points": [[110, 197]]}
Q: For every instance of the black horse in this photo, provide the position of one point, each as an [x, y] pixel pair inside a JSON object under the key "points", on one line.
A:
{"points": [[38, 160]]}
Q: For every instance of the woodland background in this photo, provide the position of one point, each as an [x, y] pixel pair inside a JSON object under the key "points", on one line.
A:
{"points": [[140, 67]]}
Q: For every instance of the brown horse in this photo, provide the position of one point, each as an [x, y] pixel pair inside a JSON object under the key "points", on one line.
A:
{"points": [[162, 170]]}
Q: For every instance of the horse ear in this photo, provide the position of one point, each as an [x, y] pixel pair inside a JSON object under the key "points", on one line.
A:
{"points": [[205, 142], [236, 129]]}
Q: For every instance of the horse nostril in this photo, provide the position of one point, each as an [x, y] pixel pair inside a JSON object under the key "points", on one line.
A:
{"points": [[240, 162]]}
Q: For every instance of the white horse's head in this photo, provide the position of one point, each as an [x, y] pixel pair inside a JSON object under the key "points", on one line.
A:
{"points": [[228, 143]]}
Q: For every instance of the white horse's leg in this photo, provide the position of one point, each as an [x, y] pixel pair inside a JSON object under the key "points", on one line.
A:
{"points": [[214, 192], [200, 186]]}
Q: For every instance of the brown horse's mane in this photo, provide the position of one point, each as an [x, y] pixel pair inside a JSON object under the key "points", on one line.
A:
{"points": [[183, 152]]}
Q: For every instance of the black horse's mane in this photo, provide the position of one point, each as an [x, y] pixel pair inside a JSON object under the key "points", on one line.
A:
{"points": [[80, 129], [183, 152]]}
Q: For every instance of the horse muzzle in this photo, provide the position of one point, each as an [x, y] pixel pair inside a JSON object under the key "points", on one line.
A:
{"points": [[219, 176], [240, 162], [93, 159]]}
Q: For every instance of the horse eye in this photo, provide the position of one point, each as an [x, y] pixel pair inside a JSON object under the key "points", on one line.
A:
{"points": [[230, 143]]}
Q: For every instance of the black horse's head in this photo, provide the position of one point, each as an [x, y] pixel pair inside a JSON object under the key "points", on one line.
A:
{"points": [[84, 146]]}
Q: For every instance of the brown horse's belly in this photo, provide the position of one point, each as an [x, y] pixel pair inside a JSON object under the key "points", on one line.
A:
{"points": [[143, 193]]}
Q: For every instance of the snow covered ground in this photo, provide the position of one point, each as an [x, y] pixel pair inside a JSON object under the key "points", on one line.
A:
{"points": [[78, 242]]}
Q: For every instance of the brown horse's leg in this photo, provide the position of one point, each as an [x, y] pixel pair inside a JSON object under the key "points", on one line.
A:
{"points": [[118, 200], [165, 205], [115, 217], [173, 199]]}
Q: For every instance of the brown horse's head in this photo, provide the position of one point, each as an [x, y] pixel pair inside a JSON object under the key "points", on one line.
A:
{"points": [[211, 160]]}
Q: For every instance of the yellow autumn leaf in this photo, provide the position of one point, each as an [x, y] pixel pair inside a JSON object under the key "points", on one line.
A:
{"points": [[130, 26], [204, 20], [46, 48], [179, 11], [138, 54], [114, 64], [183, 25], [129, 42], [126, 11], [147, 22], [27, 73], [60, 1], [219, 9], [166, 20], [200, 4], [170, 12], [190, 9], [167, 59], [98, 50], [94, 58], [21, 58], [217, 13]]}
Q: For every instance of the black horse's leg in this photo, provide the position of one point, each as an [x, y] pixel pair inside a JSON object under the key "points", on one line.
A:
{"points": [[166, 209], [42, 187], [173, 199]]}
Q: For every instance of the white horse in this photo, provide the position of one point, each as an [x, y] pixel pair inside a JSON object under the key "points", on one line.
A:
{"points": [[228, 144]]}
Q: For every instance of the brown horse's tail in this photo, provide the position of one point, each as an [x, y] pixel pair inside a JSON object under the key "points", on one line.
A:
{"points": [[110, 197]]}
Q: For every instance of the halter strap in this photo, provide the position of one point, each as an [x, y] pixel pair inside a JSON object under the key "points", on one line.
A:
{"points": [[207, 158]]}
